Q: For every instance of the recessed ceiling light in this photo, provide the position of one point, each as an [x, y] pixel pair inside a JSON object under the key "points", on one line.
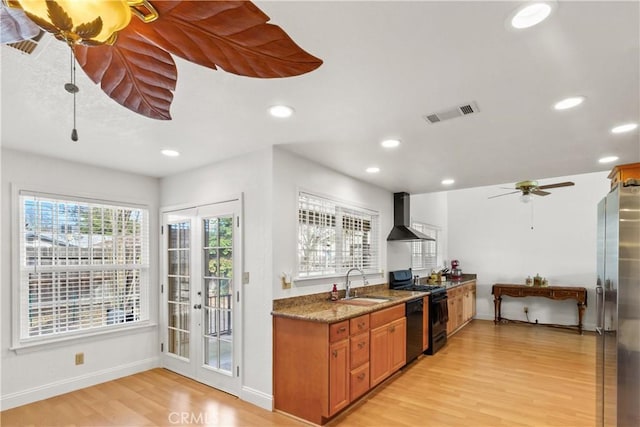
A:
{"points": [[567, 103], [280, 111], [530, 15], [448, 181], [624, 128], [373, 169], [170, 153], [608, 159], [390, 143]]}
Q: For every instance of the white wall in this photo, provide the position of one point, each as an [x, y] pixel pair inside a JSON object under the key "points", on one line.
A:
{"points": [[293, 173], [250, 175], [42, 373], [494, 239]]}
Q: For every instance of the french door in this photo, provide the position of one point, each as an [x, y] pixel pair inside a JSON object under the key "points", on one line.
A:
{"points": [[201, 294]]}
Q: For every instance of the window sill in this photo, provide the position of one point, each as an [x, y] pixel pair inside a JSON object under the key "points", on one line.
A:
{"points": [[332, 277], [33, 346]]}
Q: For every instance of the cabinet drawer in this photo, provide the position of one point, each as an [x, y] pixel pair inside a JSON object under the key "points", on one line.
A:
{"points": [[358, 325], [359, 349], [387, 315], [359, 381], [338, 331]]}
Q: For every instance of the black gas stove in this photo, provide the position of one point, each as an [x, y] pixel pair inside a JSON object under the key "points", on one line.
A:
{"points": [[403, 280]]}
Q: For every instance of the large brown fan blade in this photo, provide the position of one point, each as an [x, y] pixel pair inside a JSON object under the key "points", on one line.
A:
{"points": [[233, 35], [539, 192], [559, 184], [134, 72], [505, 194]]}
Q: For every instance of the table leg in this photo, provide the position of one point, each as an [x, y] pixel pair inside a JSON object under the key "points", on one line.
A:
{"points": [[581, 308], [496, 309]]}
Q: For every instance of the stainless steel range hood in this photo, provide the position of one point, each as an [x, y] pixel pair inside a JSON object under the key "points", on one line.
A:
{"points": [[401, 230]]}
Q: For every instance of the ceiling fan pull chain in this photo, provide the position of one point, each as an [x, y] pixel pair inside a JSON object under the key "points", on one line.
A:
{"points": [[72, 88], [532, 214]]}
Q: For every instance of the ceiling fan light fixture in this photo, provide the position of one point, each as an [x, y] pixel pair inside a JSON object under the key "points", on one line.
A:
{"points": [[568, 103], [281, 111], [627, 127], [526, 198], [530, 15], [390, 143], [608, 159], [88, 21]]}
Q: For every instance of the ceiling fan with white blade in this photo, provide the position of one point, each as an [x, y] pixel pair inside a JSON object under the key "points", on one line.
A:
{"points": [[529, 188]]}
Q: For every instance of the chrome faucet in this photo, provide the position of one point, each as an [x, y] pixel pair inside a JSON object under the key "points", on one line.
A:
{"points": [[348, 282]]}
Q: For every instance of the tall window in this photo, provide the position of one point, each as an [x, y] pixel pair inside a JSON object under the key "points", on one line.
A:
{"points": [[424, 253], [333, 237], [83, 265]]}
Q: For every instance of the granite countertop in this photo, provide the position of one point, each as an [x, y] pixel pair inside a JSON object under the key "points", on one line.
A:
{"points": [[335, 311], [466, 278]]}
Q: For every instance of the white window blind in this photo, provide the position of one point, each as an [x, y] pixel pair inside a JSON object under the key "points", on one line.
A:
{"points": [[333, 237], [424, 253], [83, 265]]}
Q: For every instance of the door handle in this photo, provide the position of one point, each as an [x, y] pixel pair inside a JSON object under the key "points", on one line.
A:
{"points": [[197, 306]]}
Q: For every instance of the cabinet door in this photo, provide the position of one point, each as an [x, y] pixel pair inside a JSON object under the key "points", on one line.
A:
{"points": [[466, 304], [338, 376], [451, 306], [380, 358], [398, 344], [459, 312], [473, 301]]}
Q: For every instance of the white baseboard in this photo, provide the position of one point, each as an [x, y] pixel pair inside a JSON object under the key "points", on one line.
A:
{"points": [[484, 316], [56, 388], [256, 397]]}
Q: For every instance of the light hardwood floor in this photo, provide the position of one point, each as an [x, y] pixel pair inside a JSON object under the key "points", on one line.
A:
{"points": [[507, 375]]}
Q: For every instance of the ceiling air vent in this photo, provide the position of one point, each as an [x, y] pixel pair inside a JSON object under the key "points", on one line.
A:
{"points": [[31, 46], [461, 110]]}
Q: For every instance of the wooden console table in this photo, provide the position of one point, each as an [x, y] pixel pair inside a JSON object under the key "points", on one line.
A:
{"points": [[551, 292]]}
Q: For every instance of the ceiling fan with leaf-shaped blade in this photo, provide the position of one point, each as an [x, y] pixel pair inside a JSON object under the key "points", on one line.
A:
{"points": [[126, 46], [529, 188]]}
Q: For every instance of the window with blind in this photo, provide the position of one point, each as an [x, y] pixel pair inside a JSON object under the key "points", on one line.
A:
{"points": [[83, 265], [334, 237], [424, 253]]}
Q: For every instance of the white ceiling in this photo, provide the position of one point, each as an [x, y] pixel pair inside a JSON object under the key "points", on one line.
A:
{"points": [[386, 64]]}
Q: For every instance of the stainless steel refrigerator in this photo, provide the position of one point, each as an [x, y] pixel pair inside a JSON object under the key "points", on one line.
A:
{"points": [[618, 308]]}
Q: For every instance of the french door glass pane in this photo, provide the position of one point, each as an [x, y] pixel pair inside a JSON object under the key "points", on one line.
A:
{"points": [[178, 282], [218, 292]]}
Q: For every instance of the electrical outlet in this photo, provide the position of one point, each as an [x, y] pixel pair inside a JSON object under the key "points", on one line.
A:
{"points": [[526, 310], [79, 358]]}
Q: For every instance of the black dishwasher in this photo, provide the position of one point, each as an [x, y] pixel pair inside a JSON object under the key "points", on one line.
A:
{"points": [[414, 312]]}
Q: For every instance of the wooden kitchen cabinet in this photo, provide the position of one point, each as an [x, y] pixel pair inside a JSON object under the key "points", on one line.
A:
{"points": [[320, 368], [339, 376], [461, 304], [388, 343], [311, 368]]}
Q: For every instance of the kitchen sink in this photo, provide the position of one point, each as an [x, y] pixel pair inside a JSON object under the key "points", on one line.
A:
{"points": [[363, 300]]}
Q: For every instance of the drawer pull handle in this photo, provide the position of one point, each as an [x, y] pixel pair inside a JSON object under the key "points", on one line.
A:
{"points": [[343, 329], [392, 329], [361, 376], [361, 344], [335, 353], [361, 325]]}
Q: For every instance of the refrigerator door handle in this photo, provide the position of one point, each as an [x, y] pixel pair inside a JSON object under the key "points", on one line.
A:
{"points": [[599, 309]]}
